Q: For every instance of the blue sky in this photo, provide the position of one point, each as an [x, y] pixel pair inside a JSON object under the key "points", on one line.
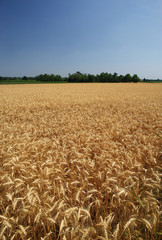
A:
{"points": [[90, 36]]}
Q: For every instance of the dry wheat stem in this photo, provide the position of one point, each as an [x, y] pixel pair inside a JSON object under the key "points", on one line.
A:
{"points": [[80, 161]]}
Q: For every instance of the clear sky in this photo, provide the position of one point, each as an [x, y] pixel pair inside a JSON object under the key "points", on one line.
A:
{"points": [[90, 36]]}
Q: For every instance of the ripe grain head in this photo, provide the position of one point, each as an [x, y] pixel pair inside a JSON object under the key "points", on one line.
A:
{"points": [[80, 161]]}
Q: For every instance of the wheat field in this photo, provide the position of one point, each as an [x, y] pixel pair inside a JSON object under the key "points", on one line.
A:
{"points": [[80, 161]]}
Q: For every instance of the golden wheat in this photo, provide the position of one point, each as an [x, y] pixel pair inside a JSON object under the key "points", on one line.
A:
{"points": [[80, 161]]}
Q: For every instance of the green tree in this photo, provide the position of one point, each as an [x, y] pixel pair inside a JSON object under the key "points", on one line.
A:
{"points": [[91, 78], [78, 77], [103, 77], [115, 77], [135, 78], [24, 78], [127, 78], [120, 78], [58, 78]]}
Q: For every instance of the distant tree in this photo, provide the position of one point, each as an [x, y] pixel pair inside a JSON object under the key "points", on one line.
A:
{"points": [[24, 78], [52, 78], [65, 79], [45, 77], [91, 78], [120, 78], [79, 73], [58, 78], [40, 78], [110, 78], [103, 77], [97, 78], [127, 78], [78, 77], [75, 77], [135, 78], [115, 77]]}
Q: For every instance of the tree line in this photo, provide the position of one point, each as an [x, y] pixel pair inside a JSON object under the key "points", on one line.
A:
{"points": [[77, 77]]}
